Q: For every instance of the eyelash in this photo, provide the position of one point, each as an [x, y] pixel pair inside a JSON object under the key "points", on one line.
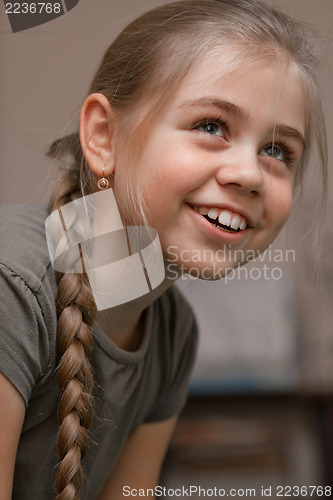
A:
{"points": [[214, 121], [287, 151]]}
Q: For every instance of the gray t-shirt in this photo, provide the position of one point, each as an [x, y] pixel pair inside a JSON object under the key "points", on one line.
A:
{"points": [[130, 388]]}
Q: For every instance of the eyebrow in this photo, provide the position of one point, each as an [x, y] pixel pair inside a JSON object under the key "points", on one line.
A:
{"points": [[227, 106], [286, 131], [233, 109]]}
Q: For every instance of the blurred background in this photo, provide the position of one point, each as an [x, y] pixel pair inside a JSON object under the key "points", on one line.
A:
{"points": [[260, 411]]}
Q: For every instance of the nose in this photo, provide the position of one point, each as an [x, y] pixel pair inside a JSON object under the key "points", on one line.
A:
{"points": [[242, 171]]}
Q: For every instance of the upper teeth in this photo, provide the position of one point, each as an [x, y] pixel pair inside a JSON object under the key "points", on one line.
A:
{"points": [[225, 217]]}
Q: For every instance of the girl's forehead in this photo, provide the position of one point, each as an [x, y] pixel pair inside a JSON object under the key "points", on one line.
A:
{"points": [[220, 70], [253, 84]]}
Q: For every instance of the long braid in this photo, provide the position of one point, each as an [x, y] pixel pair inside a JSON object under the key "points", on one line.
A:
{"points": [[76, 310], [75, 344]]}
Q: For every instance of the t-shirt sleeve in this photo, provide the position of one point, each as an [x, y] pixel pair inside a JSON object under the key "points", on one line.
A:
{"points": [[183, 347], [21, 323]]}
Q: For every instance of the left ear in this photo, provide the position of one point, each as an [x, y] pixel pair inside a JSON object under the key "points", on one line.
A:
{"points": [[96, 134]]}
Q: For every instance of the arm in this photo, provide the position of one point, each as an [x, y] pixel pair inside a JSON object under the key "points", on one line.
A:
{"points": [[12, 411], [141, 460]]}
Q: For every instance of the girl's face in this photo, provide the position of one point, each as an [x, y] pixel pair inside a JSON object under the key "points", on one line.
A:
{"points": [[210, 159]]}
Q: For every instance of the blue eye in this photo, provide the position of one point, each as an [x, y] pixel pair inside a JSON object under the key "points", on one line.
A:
{"points": [[274, 151], [211, 127]]}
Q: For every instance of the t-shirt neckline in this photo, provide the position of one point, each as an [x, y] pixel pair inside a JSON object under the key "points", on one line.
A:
{"points": [[119, 354]]}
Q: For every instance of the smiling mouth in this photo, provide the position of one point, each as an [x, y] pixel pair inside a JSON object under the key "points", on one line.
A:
{"points": [[222, 219]]}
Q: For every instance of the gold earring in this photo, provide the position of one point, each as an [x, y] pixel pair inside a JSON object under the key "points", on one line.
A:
{"points": [[103, 183]]}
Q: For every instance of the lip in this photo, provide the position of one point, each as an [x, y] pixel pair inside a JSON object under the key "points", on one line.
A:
{"points": [[230, 208], [222, 235]]}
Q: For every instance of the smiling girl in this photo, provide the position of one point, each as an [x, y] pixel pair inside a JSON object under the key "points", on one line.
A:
{"points": [[202, 119]]}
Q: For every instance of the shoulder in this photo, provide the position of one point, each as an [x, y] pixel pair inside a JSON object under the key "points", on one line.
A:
{"points": [[23, 250], [28, 288]]}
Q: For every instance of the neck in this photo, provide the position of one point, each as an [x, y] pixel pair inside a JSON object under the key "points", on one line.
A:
{"points": [[124, 323]]}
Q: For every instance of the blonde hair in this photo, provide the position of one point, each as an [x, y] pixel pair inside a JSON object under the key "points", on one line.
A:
{"points": [[139, 73]]}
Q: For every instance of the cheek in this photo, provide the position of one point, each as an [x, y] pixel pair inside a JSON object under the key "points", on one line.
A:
{"points": [[165, 183], [173, 165], [281, 204]]}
